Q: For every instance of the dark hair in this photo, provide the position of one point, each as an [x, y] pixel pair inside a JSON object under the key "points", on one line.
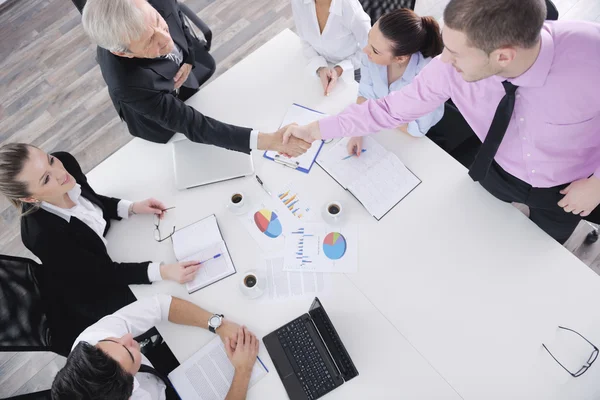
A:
{"points": [[12, 160], [410, 33], [492, 24], [91, 374]]}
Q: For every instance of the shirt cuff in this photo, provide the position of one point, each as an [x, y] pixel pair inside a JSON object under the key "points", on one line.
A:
{"points": [[154, 272], [597, 173], [347, 67], [123, 208], [254, 139], [165, 305], [413, 129], [330, 128]]}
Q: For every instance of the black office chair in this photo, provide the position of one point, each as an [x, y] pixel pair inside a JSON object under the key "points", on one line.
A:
{"points": [[205, 63], [376, 8], [551, 11], [23, 318], [25, 325]]}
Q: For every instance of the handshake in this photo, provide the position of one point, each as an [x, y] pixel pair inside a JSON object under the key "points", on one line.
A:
{"points": [[292, 140]]}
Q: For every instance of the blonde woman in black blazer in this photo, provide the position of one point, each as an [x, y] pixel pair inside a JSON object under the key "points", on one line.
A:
{"points": [[64, 222]]}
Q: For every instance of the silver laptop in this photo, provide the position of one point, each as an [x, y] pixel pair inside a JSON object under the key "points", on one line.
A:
{"points": [[201, 164]]}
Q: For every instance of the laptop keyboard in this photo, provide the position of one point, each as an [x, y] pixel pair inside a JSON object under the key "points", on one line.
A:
{"points": [[304, 356]]}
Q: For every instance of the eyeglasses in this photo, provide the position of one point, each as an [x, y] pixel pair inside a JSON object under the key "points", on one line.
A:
{"points": [[157, 235], [589, 362]]}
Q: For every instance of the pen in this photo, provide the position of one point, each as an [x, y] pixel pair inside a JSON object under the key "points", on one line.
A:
{"points": [[352, 155], [212, 258], [263, 186]]}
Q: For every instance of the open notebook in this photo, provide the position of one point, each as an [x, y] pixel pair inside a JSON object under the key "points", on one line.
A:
{"points": [[207, 375], [201, 241], [378, 179]]}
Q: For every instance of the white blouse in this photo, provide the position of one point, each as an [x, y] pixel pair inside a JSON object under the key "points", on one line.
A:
{"points": [[344, 35]]}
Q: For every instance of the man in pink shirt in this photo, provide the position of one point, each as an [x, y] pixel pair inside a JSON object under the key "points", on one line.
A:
{"points": [[531, 92]]}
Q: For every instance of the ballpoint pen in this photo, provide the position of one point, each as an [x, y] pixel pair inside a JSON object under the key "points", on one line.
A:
{"points": [[212, 258], [263, 186], [353, 154]]}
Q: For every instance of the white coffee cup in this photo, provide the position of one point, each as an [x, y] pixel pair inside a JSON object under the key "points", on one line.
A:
{"points": [[237, 202], [333, 211], [253, 284]]}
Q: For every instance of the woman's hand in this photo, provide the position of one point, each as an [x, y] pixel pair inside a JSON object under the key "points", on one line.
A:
{"points": [[149, 206], [329, 77], [181, 272]]}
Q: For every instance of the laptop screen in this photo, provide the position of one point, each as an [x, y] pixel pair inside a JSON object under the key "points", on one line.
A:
{"points": [[332, 340]]}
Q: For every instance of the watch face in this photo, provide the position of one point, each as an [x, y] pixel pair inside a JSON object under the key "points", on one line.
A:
{"points": [[215, 321]]}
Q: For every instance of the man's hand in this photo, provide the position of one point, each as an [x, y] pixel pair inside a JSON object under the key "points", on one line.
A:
{"points": [[182, 75], [275, 141], [355, 146], [181, 272], [243, 355], [149, 206], [581, 197], [329, 77], [228, 331], [309, 133]]}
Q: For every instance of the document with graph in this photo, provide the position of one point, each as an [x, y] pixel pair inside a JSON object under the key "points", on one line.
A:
{"points": [[378, 179]]}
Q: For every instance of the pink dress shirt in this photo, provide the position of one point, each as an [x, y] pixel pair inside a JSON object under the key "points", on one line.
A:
{"points": [[554, 133]]}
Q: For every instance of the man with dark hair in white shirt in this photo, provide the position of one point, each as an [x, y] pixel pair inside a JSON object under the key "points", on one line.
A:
{"points": [[106, 362]]}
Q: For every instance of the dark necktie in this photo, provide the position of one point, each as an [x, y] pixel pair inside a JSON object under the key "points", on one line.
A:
{"points": [[480, 167], [170, 390]]}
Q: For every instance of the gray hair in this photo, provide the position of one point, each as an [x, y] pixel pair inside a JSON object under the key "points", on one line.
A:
{"points": [[113, 24]]}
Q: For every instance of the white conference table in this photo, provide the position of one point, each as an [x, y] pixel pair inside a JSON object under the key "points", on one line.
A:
{"points": [[455, 292]]}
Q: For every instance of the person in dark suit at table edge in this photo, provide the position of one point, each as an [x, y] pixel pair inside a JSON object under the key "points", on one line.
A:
{"points": [[529, 88], [147, 56], [63, 222]]}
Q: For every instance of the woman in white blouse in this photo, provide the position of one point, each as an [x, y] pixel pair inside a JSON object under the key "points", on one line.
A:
{"points": [[333, 32]]}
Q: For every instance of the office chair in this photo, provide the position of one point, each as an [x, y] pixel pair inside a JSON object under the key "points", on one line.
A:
{"points": [[552, 11], [205, 63], [376, 8], [25, 325]]}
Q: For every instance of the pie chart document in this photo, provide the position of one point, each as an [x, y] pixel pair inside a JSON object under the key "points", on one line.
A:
{"points": [[318, 247], [267, 225]]}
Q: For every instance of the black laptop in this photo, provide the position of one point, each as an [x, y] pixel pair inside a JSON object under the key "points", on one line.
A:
{"points": [[309, 355]]}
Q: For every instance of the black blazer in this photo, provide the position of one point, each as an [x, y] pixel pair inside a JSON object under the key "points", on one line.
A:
{"points": [[76, 268], [142, 91]]}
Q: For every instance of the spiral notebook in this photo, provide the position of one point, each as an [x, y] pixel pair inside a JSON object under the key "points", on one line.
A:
{"points": [[202, 241], [377, 179]]}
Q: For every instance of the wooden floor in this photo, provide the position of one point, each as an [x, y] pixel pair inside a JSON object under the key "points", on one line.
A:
{"points": [[52, 95]]}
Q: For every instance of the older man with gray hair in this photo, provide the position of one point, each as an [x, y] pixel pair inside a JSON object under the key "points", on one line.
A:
{"points": [[148, 59]]}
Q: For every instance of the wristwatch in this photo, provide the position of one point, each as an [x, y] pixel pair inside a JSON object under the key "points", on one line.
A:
{"points": [[214, 322]]}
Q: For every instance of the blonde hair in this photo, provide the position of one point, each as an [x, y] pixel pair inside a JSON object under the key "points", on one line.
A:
{"points": [[13, 157]]}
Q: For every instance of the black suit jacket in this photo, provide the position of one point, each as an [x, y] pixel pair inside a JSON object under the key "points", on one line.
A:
{"points": [[142, 91], [77, 272]]}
